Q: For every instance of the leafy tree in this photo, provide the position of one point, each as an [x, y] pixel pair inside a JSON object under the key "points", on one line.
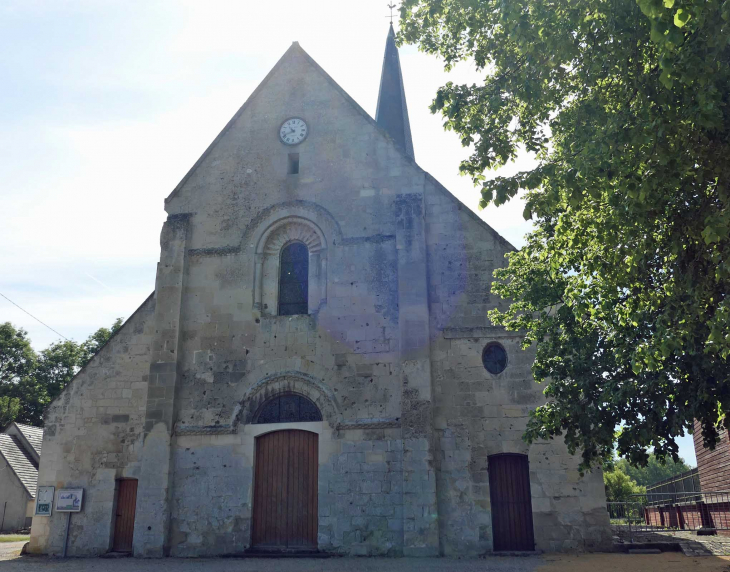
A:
{"points": [[30, 381], [97, 340], [654, 470], [17, 358], [620, 486], [55, 368], [623, 285], [17, 364], [9, 408]]}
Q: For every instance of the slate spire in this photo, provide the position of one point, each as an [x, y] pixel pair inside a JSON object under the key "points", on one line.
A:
{"points": [[392, 113]]}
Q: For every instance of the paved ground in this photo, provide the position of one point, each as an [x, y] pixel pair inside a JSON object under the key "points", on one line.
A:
{"points": [[717, 545], [666, 562]]}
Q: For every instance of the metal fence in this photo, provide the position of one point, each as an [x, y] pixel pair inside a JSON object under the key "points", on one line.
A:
{"points": [[689, 481], [705, 512]]}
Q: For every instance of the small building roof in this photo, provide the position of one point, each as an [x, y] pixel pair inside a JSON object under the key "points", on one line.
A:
{"points": [[20, 462], [34, 435]]}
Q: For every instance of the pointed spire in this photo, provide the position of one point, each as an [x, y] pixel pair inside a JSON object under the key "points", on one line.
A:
{"points": [[392, 113]]}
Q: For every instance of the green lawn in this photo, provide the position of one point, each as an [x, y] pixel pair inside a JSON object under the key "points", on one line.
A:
{"points": [[14, 537]]}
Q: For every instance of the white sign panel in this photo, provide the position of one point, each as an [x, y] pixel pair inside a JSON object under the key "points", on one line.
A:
{"points": [[44, 501], [69, 500]]}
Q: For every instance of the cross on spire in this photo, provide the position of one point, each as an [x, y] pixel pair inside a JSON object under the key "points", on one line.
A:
{"points": [[391, 6]]}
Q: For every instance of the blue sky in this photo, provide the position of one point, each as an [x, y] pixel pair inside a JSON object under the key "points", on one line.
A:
{"points": [[105, 105]]}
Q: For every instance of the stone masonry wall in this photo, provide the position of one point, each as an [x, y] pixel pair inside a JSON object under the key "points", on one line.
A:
{"points": [[350, 175], [352, 342], [477, 414], [93, 436], [345, 355], [361, 513], [360, 491]]}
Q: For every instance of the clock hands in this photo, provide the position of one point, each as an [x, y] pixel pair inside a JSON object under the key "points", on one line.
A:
{"points": [[293, 131]]}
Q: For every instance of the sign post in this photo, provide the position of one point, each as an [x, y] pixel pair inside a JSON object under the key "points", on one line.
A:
{"points": [[69, 500]]}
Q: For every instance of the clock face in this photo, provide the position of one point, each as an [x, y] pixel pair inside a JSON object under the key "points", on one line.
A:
{"points": [[293, 131]]}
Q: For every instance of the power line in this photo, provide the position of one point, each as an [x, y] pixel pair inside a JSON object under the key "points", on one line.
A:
{"points": [[32, 316]]}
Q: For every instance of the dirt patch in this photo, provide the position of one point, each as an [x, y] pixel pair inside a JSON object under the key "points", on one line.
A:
{"points": [[665, 562]]}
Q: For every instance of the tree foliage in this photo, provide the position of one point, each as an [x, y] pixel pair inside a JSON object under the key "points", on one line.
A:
{"points": [[9, 409], [654, 471], [29, 381], [622, 286], [620, 486], [97, 340], [17, 358]]}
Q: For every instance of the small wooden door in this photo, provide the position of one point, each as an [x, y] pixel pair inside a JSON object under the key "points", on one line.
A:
{"points": [[285, 491], [509, 491], [124, 521]]}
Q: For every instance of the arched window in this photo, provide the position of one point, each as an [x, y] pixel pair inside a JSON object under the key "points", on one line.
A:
{"points": [[290, 272], [294, 279], [288, 408]]}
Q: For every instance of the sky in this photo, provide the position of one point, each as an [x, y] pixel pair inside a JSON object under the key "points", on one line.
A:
{"points": [[106, 104]]}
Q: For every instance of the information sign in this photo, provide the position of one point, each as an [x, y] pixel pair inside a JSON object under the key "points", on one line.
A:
{"points": [[69, 500]]}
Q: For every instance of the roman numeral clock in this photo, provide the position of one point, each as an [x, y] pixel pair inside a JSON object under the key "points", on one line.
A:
{"points": [[293, 131]]}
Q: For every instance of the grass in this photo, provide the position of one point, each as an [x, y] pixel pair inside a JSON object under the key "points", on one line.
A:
{"points": [[14, 537]]}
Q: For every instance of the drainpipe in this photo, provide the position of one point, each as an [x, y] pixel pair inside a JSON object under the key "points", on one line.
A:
{"points": [[3, 522]]}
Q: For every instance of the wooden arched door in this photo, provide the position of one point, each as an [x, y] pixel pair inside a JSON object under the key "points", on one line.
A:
{"points": [[285, 491], [509, 492]]}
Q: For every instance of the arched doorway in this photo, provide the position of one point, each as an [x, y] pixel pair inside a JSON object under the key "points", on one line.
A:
{"points": [[509, 492], [285, 478]]}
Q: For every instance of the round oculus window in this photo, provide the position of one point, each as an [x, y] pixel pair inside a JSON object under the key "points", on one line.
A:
{"points": [[494, 358]]}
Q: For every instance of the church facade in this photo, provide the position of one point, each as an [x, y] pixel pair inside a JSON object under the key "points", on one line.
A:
{"points": [[315, 369]]}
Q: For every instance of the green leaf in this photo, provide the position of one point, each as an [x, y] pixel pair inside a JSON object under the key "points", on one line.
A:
{"points": [[658, 31], [666, 79], [650, 8], [681, 17], [675, 36]]}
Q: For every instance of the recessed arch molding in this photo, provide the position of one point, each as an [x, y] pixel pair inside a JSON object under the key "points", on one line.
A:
{"points": [[296, 382], [268, 246]]}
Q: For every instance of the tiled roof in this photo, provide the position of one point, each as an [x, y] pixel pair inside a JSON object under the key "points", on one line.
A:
{"points": [[20, 462], [34, 436]]}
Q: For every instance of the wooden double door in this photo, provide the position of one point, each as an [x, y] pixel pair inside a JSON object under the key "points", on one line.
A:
{"points": [[509, 491], [285, 491]]}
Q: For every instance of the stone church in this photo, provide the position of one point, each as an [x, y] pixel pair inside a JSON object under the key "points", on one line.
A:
{"points": [[315, 369]]}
